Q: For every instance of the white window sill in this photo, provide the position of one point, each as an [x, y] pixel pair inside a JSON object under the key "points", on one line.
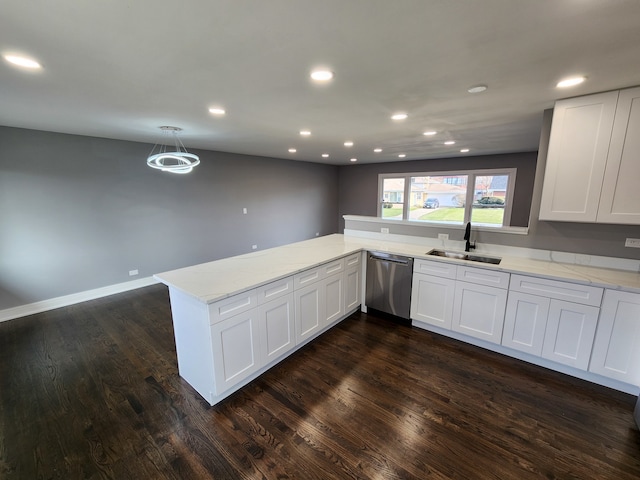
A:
{"points": [[417, 223]]}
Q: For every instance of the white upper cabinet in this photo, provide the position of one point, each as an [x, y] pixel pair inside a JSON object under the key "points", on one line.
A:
{"points": [[620, 199], [592, 172], [578, 147]]}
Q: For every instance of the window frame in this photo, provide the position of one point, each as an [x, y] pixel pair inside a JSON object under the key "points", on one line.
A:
{"points": [[471, 183]]}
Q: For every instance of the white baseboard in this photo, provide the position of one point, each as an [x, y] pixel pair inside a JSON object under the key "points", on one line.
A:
{"points": [[44, 305]]}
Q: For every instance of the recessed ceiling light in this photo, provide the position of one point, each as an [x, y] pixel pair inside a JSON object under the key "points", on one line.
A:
{"points": [[325, 155], [399, 116], [354, 159], [22, 61], [348, 144], [464, 150], [477, 88], [322, 75], [305, 133], [402, 155], [292, 150], [217, 111], [570, 82], [377, 150], [430, 132], [449, 142]]}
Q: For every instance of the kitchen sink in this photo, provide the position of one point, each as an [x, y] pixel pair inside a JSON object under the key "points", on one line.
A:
{"points": [[472, 257]]}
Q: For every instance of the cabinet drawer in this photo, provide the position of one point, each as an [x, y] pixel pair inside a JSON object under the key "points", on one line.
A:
{"points": [[351, 260], [332, 268], [274, 290], [231, 306], [482, 276], [315, 274], [439, 269], [571, 292], [307, 277]]}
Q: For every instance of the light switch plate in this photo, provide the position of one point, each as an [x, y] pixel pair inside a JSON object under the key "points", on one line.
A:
{"points": [[632, 242]]}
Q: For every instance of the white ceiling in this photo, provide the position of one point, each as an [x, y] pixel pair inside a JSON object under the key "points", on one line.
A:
{"points": [[122, 68]]}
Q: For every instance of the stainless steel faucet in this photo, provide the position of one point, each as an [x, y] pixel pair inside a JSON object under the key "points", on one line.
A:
{"points": [[467, 235]]}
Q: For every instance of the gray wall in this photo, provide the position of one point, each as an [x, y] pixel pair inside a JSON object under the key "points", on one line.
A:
{"points": [[77, 213], [358, 190]]}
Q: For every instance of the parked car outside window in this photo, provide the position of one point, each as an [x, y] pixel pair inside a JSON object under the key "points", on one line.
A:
{"points": [[431, 203]]}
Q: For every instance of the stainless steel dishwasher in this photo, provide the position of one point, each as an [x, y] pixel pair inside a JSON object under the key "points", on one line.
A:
{"points": [[389, 283]]}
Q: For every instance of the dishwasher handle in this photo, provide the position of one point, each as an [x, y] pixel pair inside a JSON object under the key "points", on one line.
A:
{"points": [[402, 262]]}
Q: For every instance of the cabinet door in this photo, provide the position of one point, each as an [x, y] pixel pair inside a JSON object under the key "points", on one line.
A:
{"points": [[277, 329], [525, 321], [432, 300], [236, 349], [309, 311], [616, 349], [352, 288], [578, 146], [333, 299], [620, 202], [571, 328], [478, 311]]}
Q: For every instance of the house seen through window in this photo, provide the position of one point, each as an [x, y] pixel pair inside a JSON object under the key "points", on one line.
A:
{"points": [[482, 197]]}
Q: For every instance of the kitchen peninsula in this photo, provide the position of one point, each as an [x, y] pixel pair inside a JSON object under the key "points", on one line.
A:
{"points": [[235, 318]]}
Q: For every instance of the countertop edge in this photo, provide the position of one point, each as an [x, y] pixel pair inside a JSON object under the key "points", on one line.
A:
{"points": [[339, 245]]}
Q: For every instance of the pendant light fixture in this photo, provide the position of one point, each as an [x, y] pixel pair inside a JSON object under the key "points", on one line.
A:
{"points": [[177, 160]]}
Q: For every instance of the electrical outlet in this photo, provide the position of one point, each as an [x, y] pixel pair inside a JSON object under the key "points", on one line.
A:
{"points": [[254, 247], [133, 273], [632, 242], [317, 234], [443, 236], [384, 230], [244, 211]]}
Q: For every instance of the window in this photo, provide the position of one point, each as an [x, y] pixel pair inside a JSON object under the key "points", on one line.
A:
{"points": [[482, 197], [392, 204]]}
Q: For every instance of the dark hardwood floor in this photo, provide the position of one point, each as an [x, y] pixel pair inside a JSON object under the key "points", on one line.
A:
{"points": [[92, 391]]}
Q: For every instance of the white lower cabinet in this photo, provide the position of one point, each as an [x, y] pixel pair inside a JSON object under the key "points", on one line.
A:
{"points": [[277, 328], [571, 328], [616, 349], [464, 299], [223, 345], [309, 310], [334, 299], [572, 324], [318, 305], [478, 311], [552, 319], [525, 322], [236, 349], [432, 300], [352, 285]]}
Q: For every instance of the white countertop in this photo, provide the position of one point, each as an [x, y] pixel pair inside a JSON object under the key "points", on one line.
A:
{"points": [[212, 281]]}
